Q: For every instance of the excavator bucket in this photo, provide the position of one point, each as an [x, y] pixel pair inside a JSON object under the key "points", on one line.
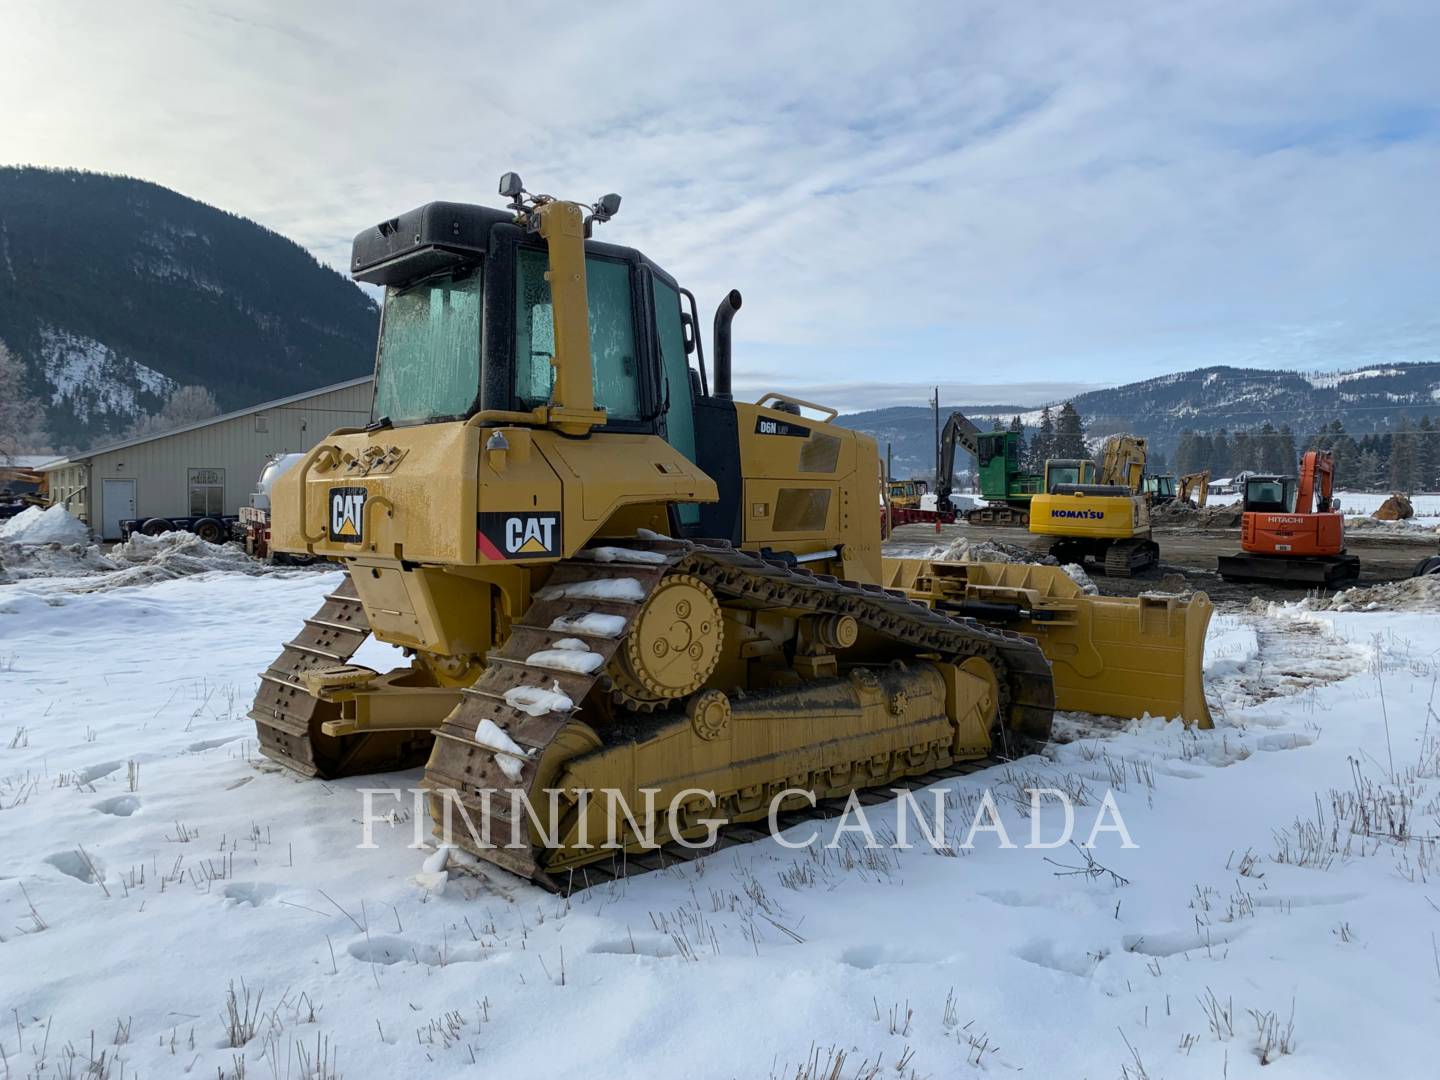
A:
{"points": [[1110, 655]]}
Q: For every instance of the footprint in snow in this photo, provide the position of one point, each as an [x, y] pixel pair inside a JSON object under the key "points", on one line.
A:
{"points": [[210, 744], [1067, 959], [81, 867], [252, 893], [91, 773], [119, 805], [395, 950], [1183, 941]]}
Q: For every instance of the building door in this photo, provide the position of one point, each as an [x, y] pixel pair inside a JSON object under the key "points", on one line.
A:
{"points": [[117, 502]]}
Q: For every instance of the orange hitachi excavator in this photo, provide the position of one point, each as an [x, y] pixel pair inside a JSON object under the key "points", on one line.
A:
{"points": [[1292, 532]]}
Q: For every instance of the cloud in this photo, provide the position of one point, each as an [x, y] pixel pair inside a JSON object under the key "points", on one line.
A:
{"points": [[1070, 195]]}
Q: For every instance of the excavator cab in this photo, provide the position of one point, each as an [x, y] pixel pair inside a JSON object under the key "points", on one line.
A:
{"points": [[1068, 471], [1270, 494]]}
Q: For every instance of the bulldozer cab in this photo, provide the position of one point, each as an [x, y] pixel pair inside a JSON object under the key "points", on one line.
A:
{"points": [[1270, 494], [477, 332]]}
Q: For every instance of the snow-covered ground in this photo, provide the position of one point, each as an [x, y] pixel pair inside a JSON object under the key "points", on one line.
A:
{"points": [[1367, 502], [1280, 902]]}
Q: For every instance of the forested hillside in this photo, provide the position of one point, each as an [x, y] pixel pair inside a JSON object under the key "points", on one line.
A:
{"points": [[114, 292]]}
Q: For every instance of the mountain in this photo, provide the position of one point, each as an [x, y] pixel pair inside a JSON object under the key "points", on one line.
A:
{"points": [[1365, 400], [115, 291]]}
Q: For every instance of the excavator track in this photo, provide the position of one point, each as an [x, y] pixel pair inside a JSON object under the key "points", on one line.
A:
{"points": [[538, 739], [998, 516], [287, 718], [1126, 557]]}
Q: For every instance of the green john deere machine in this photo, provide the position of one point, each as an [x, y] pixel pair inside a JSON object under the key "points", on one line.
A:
{"points": [[1004, 484]]}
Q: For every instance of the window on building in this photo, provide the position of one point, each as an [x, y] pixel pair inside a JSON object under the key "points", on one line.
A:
{"points": [[207, 492]]}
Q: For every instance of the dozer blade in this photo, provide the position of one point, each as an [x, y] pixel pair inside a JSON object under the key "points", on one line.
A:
{"points": [[1110, 655]]}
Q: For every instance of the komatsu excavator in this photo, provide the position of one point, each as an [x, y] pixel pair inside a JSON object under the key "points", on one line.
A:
{"points": [[1104, 517], [1291, 531], [609, 575]]}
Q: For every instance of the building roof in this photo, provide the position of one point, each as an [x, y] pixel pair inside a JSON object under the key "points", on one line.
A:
{"points": [[59, 463]]}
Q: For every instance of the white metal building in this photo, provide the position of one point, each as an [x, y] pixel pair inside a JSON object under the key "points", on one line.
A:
{"points": [[205, 468]]}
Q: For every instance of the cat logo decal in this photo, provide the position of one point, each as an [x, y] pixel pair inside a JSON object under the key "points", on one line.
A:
{"points": [[519, 536], [347, 514]]}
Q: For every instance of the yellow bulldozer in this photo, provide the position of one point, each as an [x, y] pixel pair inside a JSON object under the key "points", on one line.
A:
{"points": [[611, 576], [1102, 515]]}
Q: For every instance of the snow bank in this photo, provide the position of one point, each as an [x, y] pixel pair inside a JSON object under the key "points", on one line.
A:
{"points": [[1367, 502], [51, 526], [141, 560]]}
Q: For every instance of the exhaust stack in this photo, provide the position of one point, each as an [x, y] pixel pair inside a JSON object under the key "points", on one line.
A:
{"points": [[723, 314]]}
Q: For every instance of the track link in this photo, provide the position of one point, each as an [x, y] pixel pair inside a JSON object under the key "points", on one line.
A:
{"points": [[287, 718]]}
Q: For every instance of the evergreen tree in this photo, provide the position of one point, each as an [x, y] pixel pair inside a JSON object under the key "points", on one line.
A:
{"points": [[1271, 459], [1185, 457], [1042, 445], [1346, 453], [1070, 434], [1287, 449], [996, 425], [1021, 454], [1204, 450], [1402, 458], [1240, 455], [1370, 470], [1427, 457], [1219, 463], [22, 415]]}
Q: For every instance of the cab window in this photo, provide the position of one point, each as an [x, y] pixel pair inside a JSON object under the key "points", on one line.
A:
{"points": [[612, 335], [675, 380], [428, 365]]}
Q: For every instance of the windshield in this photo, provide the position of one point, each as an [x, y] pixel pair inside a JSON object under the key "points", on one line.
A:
{"points": [[1274, 493], [429, 361], [1064, 474]]}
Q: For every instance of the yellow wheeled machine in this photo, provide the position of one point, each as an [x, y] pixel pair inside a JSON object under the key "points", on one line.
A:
{"points": [[1104, 517], [612, 577]]}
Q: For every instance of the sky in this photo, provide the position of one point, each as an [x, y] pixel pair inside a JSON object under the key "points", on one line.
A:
{"points": [[1015, 201]]}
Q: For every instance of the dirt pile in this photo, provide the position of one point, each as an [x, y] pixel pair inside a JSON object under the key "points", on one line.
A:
{"points": [[967, 550], [1176, 514], [1407, 594], [1396, 508]]}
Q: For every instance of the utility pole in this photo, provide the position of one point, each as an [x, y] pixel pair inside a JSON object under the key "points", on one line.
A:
{"points": [[935, 411]]}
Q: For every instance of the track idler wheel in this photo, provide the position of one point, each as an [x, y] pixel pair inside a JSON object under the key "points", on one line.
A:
{"points": [[672, 647]]}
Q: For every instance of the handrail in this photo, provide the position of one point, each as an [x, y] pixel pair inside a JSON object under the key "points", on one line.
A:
{"points": [[305, 466], [831, 414]]}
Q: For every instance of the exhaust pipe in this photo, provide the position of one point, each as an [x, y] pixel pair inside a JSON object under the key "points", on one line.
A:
{"points": [[723, 314]]}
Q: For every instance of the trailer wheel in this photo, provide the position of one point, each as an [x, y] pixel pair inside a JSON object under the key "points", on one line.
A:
{"points": [[156, 526], [210, 530], [1427, 566]]}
